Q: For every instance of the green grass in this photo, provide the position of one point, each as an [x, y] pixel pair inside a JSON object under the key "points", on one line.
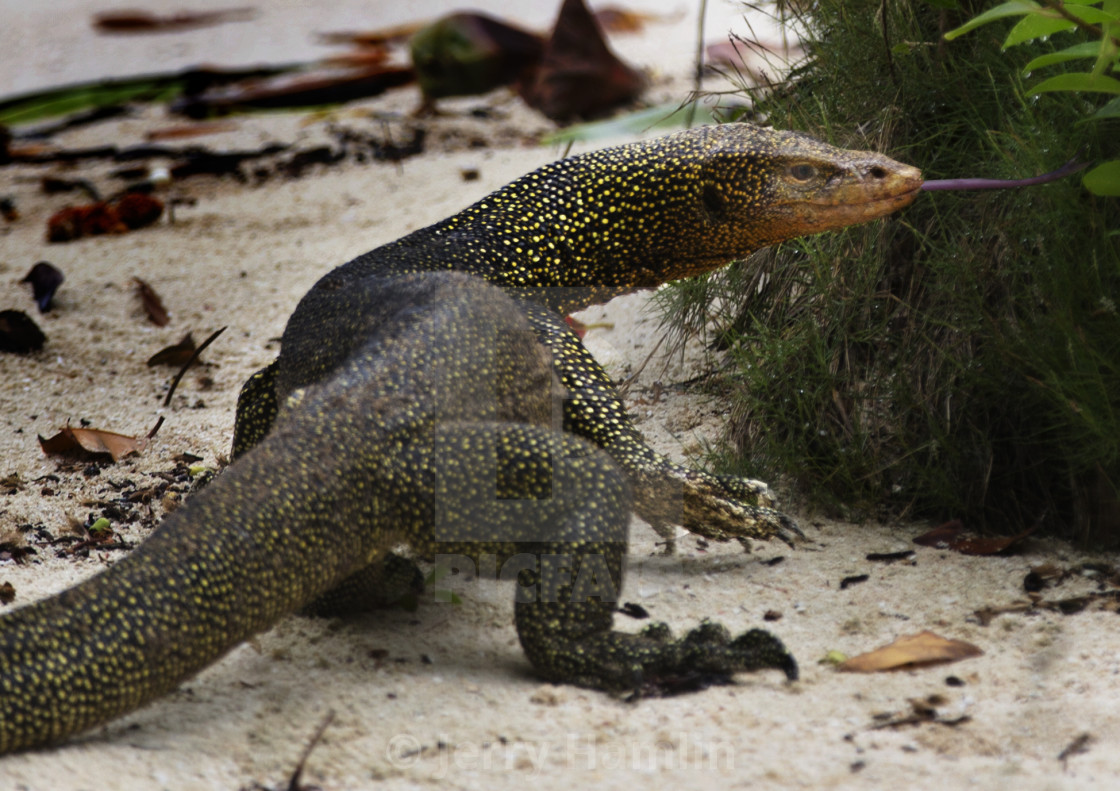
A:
{"points": [[963, 358]]}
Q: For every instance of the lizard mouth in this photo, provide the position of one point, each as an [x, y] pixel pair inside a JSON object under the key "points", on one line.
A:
{"points": [[861, 200]]}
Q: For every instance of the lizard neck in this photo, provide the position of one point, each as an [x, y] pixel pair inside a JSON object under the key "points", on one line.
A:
{"points": [[584, 229]]}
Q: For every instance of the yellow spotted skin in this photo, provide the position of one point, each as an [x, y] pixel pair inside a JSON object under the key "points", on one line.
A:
{"points": [[416, 406]]}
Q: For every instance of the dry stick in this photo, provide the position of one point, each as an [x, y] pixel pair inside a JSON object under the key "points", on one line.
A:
{"points": [[294, 785], [699, 64], [189, 363], [624, 387]]}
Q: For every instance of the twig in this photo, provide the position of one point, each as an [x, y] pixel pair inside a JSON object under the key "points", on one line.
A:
{"points": [[293, 784], [624, 387], [699, 65]]}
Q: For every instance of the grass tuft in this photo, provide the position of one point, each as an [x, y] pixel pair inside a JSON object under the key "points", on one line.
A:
{"points": [[963, 358]]}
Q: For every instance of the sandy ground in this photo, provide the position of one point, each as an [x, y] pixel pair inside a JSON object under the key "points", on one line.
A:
{"points": [[444, 696]]}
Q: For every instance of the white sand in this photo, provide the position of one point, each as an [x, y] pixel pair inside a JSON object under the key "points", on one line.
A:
{"points": [[474, 717]]}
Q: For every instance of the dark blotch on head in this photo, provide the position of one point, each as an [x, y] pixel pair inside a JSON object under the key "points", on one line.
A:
{"points": [[715, 204]]}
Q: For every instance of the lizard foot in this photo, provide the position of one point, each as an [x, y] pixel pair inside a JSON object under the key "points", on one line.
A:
{"points": [[707, 656], [719, 508], [651, 663], [394, 581]]}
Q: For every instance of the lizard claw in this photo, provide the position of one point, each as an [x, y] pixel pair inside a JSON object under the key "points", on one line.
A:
{"points": [[707, 656]]}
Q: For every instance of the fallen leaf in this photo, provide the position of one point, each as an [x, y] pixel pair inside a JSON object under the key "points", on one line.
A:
{"points": [[942, 535], [92, 440], [325, 85], [69, 440], [45, 278], [177, 354], [137, 21], [153, 305], [190, 361], [128, 212], [579, 76], [18, 333], [91, 219], [372, 38], [137, 210], [909, 651], [180, 131], [989, 546], [951, 536]]}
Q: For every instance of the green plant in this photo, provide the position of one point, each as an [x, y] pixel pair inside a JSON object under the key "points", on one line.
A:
{"points": [[961, 359], [1042, 20]]}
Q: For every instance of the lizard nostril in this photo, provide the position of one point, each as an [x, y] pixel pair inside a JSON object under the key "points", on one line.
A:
{"points": [[878, 172]]}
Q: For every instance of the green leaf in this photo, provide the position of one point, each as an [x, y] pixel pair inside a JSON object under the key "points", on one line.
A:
{"points": [[1108, 55], [1035, 26], [1104, 179], [1110, 110], [1079, 81], [662, 116], [1047, 23], [1088, 49], [1013, 8]]}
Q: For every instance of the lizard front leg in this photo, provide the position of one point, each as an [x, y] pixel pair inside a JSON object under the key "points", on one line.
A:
{"points": [[559, 507], [665, 493]]}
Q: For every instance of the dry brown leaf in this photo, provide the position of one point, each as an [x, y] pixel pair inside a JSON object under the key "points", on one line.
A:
{"points": [[950, 536], [579, 76], [197, 129], [177, 355], [909, 651], [69, 440], [95, 440], [372, 38], [141, 21], [153, 305]]}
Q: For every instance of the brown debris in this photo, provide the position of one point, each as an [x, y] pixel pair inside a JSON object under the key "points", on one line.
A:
{"points": [[153, 305], [304, 89], [91, 440], [198, 129], [922, 710], [468, 53], [45, 278], [579, 76], [909, 651], [190, 361], [950, 535], [177, 354], [19, 333], [130, 211], [133, 21], [1078, 746]]}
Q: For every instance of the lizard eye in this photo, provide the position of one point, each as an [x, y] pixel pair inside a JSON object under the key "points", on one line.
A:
{"points": [[802, 171]]}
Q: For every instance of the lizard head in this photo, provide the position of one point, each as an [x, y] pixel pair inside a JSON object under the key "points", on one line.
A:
{"points": [[762, 186]]}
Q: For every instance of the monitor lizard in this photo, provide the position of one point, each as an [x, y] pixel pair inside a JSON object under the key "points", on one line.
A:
{"points": [[429, 394]]}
